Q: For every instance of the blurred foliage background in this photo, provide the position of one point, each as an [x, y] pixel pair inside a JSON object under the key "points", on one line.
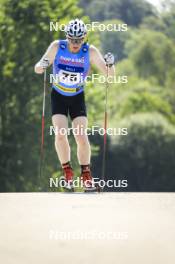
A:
{"points": [[145, 105]]}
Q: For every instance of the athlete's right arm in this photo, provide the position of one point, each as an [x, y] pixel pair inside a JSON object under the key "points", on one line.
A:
{"points": [[49, 55]]}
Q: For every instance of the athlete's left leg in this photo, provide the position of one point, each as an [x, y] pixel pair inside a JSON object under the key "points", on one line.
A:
{"points": [[83, 151], [81, 137]]}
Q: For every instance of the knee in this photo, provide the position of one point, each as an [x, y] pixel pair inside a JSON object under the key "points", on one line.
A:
{"points": [[82, 140], [59, 137]]}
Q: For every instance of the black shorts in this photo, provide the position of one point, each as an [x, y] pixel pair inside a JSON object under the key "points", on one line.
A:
{"points": [[72, 105]]}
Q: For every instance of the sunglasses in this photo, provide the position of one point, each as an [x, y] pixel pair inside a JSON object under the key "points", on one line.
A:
{"points": [[76, 41]]}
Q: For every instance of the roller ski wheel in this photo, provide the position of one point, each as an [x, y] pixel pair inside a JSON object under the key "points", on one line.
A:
{"points": [[96, 189]]}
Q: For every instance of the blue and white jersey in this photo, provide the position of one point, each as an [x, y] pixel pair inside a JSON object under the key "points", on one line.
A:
{"points": [[70, 69]]}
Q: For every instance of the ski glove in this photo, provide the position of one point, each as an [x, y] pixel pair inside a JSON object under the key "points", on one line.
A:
{"points": [[44, 63], [109, 59]]}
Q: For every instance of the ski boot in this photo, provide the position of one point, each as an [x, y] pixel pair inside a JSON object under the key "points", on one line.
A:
{"points": [[88, 183], [66, 181]]}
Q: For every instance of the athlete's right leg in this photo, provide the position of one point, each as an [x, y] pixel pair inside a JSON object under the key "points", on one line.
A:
{"points": [[60, 123]]}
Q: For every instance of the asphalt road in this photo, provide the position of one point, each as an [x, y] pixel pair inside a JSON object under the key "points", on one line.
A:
{"points": [[120, 228]]}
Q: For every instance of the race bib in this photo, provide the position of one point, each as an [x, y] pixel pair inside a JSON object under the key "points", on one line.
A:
{"points": [[70, 78]]}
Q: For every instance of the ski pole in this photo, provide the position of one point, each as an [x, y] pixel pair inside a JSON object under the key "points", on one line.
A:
{"points": [[105, 126], [42, 127]]}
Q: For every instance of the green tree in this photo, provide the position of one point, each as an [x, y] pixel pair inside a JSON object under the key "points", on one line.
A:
{"points": [[145, 157], [154, 56], [130, 11], [114, 41], [24, 36]]}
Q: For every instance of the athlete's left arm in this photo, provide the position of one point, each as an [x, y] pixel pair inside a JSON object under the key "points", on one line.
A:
{"points": [[97, 59]]}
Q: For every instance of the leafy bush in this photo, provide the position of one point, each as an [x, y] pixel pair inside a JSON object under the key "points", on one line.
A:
{"points": [[146, 155]]}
